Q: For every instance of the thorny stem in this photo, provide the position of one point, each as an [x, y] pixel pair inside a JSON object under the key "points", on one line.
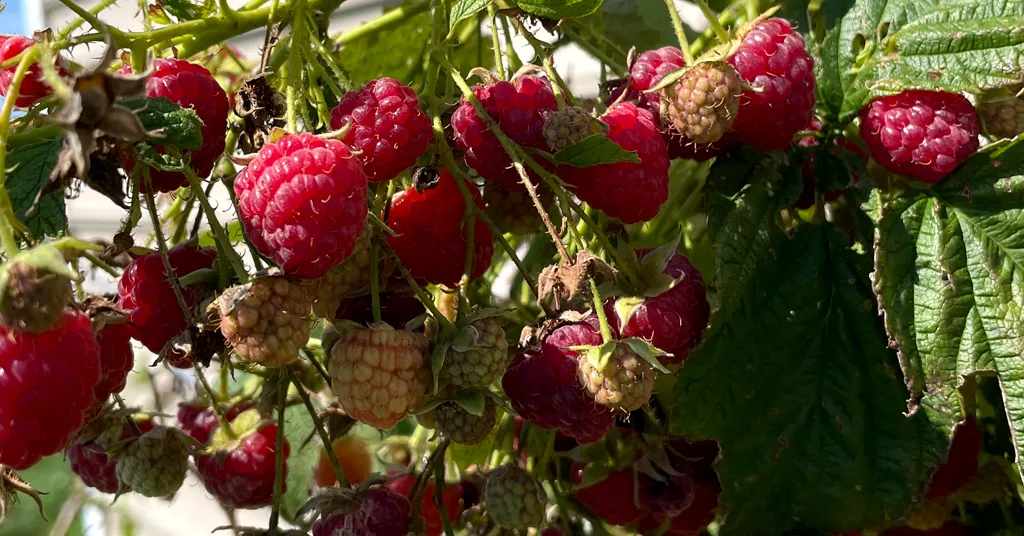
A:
{"points": [[558, 86], [499, 62], [316, 364], [131, 422], [91, 18], [100, 263], [720, 31], [217, 410], [275, 512], [677, 25], [423, 295], [219, 234], [418, 487], [79, 21], [514, 61], [602, 318], [439, 499], [9, 222], [319, 426], [162, 244]]}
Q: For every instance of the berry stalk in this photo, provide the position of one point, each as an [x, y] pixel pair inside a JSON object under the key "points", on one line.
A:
{"points": [[439, 499], [720, 31], [10, 223], [162, 245], [318, 425], [499, 61], [219, 234], [275, 512], [677, 25]]}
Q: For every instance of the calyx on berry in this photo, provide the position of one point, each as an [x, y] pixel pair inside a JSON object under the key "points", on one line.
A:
{"points": [[224, 441], [35, 286], [650, 277]]}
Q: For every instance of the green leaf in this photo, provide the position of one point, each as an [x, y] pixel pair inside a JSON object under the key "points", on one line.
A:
{"points": [[798, 385], [464, 10], [559, 9], [466, 456], [181, 128], [592, 151], [473, 402], [301, 460], [145, 152], [185, 10], [28, 170]]}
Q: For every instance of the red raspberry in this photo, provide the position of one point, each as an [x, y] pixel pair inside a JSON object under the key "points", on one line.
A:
{"points": [[46, 385], [32, 86], [673, 320], [451, 497], [962, 463], [116, 359], [145, 292], [431, 241], [518, 108], [951, 528], [383, 512], [190, 85], [303, 203], [199, 421], [701, 511], [389, 130], [244, 476], [921, 134], [91, 463], [773, 58], [648, 69], [630, 192], [542, 387], [671, 497], [613, 499]]}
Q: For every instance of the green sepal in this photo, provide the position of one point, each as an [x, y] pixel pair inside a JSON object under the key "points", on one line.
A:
{"points": [[244, 424], [648, 352], [429, 406], [471, 401], [668, 79], [488, 312], [437, 361], [464, 339], [594, 150]]}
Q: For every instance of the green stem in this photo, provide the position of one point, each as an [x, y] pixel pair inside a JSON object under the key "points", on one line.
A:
{"points": [[214, 403], [593, 42], [7, 226], [226, 11], [499, 61], [219, 234], [319, 427], [562, 94], [275, 511], [677, 25], [316, 364], [606, 332], [514, 61], [131, 422], [439, 499], [99, 263], [91, 18], [423, 295], [383, 22], [720, 31]]}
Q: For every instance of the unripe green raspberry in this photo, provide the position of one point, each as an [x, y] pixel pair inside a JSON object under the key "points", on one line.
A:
{"points": [[155, 464], [570, 126], [461, 426], [513, 498], [625, 383], [32, 298], [481, 362], [703, 103], [1003, 118]]}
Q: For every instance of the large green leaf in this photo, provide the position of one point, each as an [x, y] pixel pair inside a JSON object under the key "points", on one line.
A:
{"points": [[559, 9], [301, 461], [28, 170]]}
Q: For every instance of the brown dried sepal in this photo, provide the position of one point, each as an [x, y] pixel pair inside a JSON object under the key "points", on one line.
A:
{"points": [[563, 287]]}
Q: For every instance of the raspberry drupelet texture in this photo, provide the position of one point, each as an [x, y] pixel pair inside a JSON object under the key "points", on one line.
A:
{"points": [[514, 499], [243, 477], [569, 126], [542, 387], [266, 321], [921, 134], [773, 59], [515, 212], [479, 364], [461, 426], [627, 191], [32, 86], [145, 292], [32, 298], [625, 382], [46, 385], [383, 512], [518, 107], [431, 241], [613, 499], [378, 373], [388, 130], [190, 85], [92, 464], [1003, 118], [116, 359], [349, 278], [648, 69], [303, 203], [702, 105], [155, 464]]}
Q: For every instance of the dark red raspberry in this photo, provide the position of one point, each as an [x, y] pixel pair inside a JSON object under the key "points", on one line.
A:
{"points": [[116, 359], [244, 476], [518, 108], [451, 497], [542, 387], [431, 242], [700, 513], [389, 131], [46, 385], [383, 512], [91, 463], [303, 203], [630, 192], [32, 86], [395, 309], [669, 497], [199, 420], [145, 292], [648, 69], [962, 463], [613, 499], [673, 320], [951, 528], [921, 134], [774, 59], [190, 85]]}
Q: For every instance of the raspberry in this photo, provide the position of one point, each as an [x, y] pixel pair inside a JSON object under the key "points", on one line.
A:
{"points": [[518, 108], [451, 497], [382, 513], [354, 457], [266, 320], [189, 85], [395, 309], [116, 360], [243, 477], [515, 212], [774, 60], [303, 203], [92, 464], [378, 373], [32, 299], [962, 463], [32, 86], [145, 292], [569, 126], [929, 515], [46, 385], [951, 528], [613, 499], [155, 464], [1003, 118], [514, 498], [702, 105], [199, 421], [624, 383], [671, 497], [630, 192], [483, 360], [431, 241], [921, 134], [648, 69], [346, 279], [461, 426], [673, 320], [388, 129], [542, 387], [701, 511]]}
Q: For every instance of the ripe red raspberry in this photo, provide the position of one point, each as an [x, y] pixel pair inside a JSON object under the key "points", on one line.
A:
{"points": [[518, 108], [190, 85], [243, 477], [382, 512], [613, 499], [46, 385], [542, 387], [673, 320], [92, 464], [921, 134], [1003, 118], [388, 130], [951, 528], [701, 511], [199, 420], [774, 59], [451, 497], [431, 240], [303, 203], [962, 463], [32, 86], [648, 69], [116, 360], [630, 192], [145, 292]]}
